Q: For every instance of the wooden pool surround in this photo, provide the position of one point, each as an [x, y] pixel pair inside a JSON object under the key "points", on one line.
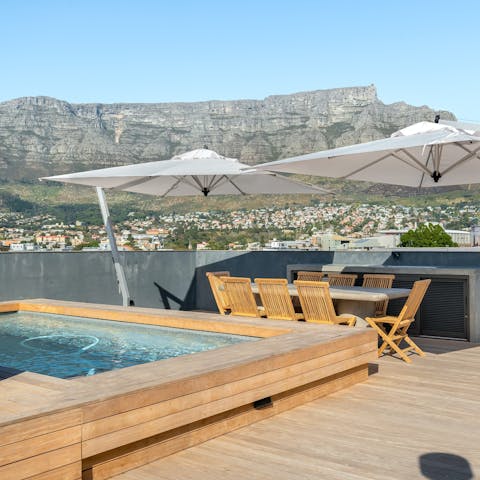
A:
{"points": [[93, 428]]}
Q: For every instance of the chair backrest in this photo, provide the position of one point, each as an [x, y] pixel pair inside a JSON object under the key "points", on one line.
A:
{"points": [[371, 280], [311, 276], [218, 290], [240, 296], [342, 279], [275, 298], [316, 302], [414, 300]]}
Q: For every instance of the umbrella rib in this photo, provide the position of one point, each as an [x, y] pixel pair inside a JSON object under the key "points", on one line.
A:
{"points": [[467, 150], [132, 183], [417, 163], [216, 181], [204, 188], [364, 167], [469, 155], [230, 179], [393, 154], [178, 180], [197, 181]]}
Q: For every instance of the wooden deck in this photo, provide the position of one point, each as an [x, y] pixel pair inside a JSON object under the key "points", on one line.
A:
{"points": [[407, 421]]}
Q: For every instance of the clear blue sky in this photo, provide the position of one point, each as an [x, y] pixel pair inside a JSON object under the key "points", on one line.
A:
{"points": [[424, 52]]}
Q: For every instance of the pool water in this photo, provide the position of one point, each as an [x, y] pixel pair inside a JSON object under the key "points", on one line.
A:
{"points": [[64, 346]]}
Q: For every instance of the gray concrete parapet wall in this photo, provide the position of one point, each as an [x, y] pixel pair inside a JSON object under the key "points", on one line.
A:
{"points": [[176, 280]]}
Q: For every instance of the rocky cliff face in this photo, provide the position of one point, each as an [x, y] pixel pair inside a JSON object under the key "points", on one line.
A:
{"points": [[44, 136]]}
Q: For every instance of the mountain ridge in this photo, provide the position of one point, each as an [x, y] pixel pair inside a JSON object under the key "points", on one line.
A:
{"points": [[41, 136]]}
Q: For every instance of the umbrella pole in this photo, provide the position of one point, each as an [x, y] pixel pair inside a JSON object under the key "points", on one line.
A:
{"points": [[120, 273]]}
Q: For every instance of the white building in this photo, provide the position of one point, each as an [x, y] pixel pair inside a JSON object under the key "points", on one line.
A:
{"points": [[462, 238]]}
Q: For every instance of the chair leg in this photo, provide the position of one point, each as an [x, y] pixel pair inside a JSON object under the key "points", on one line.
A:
{"points": [[414, 346], [395, 345], [388, 341], [385, 343], [381, 332], [409, 341]]}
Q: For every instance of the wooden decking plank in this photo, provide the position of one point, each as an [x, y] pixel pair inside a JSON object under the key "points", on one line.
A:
{"points": [[40, 463], [72, 471], [177, 383], [162, 409], [14, 452], [16, 432], [155, 426]]}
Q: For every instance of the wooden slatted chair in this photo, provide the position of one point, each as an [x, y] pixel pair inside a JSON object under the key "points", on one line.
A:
{"points": [[311, 276], [276, 299], [379, 281], [341, 279], [240, 297], [393, 330], [218, 290], [317, 305]]}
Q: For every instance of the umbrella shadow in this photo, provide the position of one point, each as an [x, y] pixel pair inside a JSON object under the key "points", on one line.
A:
{"points": [[167, 297], [443, 466]]}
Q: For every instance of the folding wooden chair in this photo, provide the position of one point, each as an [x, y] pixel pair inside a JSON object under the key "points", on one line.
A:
{"points": [[276, 299], [311, 276], [317, 305], [218, 290], [240, 297], [379, 281], [341, 279], [393, 330]]}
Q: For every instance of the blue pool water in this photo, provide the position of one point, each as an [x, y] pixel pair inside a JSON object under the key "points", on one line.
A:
{"points": [[63, 346]]}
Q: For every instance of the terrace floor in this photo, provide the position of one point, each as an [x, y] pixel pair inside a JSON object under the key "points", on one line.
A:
{"points": [[407, 421]]}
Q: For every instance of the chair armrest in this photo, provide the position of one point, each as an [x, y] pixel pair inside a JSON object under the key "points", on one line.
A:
{"points": [[388, 319], [344, 319]]}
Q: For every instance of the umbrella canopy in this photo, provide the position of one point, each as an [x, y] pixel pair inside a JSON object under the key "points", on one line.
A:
{"points": [[422, 155], [197, 172]]}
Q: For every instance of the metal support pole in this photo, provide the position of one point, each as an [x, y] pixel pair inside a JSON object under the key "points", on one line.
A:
{"points": [[121, 279]]}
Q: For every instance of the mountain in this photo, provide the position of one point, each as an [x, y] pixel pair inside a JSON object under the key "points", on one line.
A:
{"points": [[45, 136]]}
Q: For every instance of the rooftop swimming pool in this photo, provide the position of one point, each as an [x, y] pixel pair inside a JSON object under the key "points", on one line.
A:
{"points": [[99, 426], [67, 346]]}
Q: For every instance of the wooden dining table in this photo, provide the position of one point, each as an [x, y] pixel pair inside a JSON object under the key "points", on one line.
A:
{"points": [[358, 301]]}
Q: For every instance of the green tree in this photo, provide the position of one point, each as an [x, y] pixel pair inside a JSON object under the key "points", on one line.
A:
{"points": [[92, 243], [427, 235]]}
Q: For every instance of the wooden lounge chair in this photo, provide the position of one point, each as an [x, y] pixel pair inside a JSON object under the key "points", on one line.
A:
{"points": [[218, 290], [393, 330], [240, 297], [276, 299], [379, 281], [311, 276], [341, 279], [317, 305]]}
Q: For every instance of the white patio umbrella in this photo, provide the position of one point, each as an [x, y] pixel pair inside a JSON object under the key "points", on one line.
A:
{"points": [[197, 172], [422, 155]]}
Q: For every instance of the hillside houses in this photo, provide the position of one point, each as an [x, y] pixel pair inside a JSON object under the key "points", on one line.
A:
{"points": [[331, 225]]}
